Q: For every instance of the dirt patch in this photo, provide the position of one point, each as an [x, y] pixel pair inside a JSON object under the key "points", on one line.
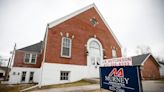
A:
{"points": [[73, 84]]}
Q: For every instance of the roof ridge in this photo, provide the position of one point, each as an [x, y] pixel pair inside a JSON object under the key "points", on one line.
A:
{"points": [[70, 15], [79, 11], [34, 47]]}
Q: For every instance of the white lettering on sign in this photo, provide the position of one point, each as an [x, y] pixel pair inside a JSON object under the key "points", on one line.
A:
{"points": [[118, 62]]}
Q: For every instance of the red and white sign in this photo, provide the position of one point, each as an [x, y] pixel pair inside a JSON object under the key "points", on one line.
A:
{"points": [[118, 62]]}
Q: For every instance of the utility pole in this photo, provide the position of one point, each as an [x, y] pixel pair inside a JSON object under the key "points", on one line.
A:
{"points": [[9, 62]]}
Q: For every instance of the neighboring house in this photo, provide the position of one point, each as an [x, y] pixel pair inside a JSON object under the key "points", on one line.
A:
{"points": [[26, 65], [149, 66], [73, 48], [161, 69], [3, 72]]}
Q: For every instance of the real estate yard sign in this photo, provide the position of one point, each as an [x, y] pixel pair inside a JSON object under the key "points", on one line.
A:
{"points": [[120, 78]]}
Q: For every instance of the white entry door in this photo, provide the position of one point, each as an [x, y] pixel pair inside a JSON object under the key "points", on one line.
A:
{"points": [[95, 57]]}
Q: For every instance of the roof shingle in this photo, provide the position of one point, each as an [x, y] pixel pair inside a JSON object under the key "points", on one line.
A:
{"points": [[34, 48], [138, 60]]}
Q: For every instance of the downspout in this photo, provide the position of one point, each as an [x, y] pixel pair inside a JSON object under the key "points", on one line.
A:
{"points": [[44, 55]]}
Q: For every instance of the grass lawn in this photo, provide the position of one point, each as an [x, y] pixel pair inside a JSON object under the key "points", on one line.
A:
{"points": [[13, 88]]}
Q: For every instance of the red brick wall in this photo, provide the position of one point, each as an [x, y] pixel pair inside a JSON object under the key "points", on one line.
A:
{"points": [[19, 60], [150, 69], [83, 30]]}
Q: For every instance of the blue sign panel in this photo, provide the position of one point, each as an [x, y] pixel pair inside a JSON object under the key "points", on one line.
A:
{"points": [[121, 79]]}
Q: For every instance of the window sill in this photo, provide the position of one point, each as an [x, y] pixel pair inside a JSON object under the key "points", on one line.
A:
{"points": [[66, 57], [30, 63]]}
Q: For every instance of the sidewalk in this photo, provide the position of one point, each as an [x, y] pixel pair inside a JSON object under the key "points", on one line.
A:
{"points": [[71, 89]]}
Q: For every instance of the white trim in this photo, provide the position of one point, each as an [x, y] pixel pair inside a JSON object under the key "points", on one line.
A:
{"points": [[60, 20], [70, 48]]}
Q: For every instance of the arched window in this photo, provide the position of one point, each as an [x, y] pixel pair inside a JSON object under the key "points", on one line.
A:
{"points": [[94, 48], [95, 55]]}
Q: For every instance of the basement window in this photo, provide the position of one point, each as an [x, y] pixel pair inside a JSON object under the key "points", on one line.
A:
{"points": [[64, 75]]}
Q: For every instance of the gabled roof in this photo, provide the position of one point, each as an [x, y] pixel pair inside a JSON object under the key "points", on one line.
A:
{"points": [[33, 48], [56, 22], [140, 59]]}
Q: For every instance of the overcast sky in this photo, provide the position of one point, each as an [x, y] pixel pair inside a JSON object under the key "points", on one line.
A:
{"points": [[134, 22]]}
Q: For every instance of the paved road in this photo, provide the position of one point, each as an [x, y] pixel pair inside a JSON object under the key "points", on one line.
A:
{"points": [[153, 86], [148, 86]]}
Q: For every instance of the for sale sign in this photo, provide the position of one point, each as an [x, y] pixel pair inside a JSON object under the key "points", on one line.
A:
{"points": [[120, 79]]}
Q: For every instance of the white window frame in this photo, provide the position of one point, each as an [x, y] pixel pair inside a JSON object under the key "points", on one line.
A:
{"points": [[114, 53], [64, 75], [70, 47], [30, 59]]}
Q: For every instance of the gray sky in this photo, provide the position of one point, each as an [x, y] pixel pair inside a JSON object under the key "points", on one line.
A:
{"points": [[134, 22]]}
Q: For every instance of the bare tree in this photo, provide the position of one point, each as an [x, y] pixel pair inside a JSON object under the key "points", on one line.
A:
{"points": [[143, 49]]}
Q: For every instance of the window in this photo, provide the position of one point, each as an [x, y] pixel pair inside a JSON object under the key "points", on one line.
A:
{"points": [[114, 53], [93, 21], [14, 73], [64, 75], [30, 58], [27, 58], [94, 48], [66, 47], [31, 76], [33, 59], [23, 76]]}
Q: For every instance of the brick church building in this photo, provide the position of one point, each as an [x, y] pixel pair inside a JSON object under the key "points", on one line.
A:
{"points": [[73, 48]]}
